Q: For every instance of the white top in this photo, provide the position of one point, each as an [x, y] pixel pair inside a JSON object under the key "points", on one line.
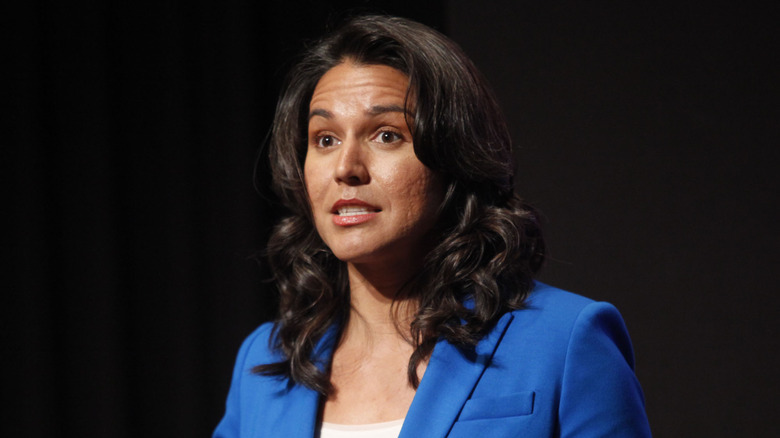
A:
{"points": [[389, 429]]}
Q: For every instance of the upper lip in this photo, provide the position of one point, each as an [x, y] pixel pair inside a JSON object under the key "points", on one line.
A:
{"points": [[352, 203]]}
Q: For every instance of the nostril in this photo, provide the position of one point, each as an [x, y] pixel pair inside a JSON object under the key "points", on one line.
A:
{"points": [[353, 179]]}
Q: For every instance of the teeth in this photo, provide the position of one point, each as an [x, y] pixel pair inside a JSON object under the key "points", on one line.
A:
{"points": [[353, 211]]}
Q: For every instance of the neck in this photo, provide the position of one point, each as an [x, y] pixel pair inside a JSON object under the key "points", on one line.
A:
{"points": [[375, 310]]}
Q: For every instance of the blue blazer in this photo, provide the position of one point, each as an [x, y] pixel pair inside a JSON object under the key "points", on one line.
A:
{"points": [[562, 366]]}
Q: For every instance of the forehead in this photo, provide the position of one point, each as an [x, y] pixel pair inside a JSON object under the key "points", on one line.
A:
{"points": [[360, 86]]}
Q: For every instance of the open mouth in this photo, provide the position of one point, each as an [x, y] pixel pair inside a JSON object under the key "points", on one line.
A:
{"points": [[353, 210], [353, 207]]}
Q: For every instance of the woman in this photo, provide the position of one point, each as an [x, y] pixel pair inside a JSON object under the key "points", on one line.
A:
{"points": [[405, 266]]}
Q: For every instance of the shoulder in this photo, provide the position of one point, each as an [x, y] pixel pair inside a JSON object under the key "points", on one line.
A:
{"points": [[256, 348], [575, 356], [554, 323], [556, 307], [549, 308], [546, 298]]}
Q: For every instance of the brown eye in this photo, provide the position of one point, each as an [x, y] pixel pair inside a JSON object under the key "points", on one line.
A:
{"points": [[326, 141], [388, 137]]}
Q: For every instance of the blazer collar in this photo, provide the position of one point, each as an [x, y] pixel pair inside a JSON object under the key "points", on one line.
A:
{"points": [[298, 417], [449, 380]]}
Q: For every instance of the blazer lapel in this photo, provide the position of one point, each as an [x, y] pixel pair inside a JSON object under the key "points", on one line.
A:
{"points": [[448, 382], [299, 407]]}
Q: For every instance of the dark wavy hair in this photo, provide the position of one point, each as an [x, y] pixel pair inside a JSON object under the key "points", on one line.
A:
{"points": [[488, 241]]}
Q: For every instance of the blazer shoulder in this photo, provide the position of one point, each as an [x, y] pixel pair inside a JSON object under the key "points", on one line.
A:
{"points": [[556, 302], [257, 347], [552, 317]]}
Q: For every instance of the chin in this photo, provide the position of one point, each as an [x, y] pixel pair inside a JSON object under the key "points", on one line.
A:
{"points": [[356, 257]]}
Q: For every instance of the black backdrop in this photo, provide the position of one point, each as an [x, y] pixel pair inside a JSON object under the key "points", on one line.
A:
{"points": [[647, 135]]}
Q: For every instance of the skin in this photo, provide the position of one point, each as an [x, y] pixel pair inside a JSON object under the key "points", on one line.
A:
{"points": [[360, 147]]}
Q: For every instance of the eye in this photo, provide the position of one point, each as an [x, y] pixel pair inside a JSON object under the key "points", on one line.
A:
{"points": [[325, 141], [387, 137]]}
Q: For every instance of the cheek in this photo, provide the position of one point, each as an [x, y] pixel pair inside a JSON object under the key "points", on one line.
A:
{"points": [[420, 192], [315, 190], [312, 180]]}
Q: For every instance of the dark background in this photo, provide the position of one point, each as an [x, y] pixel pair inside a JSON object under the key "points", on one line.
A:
{"points": [[646, 134]]}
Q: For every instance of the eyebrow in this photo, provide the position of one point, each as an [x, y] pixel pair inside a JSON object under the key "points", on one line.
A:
{"points": [[382, 109], [320, 112], [373, 111]]}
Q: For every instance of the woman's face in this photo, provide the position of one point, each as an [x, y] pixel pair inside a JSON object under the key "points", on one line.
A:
{"points": [[372, 200]]}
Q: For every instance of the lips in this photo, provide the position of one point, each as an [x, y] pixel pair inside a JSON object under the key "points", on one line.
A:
{"points": [[347, 212], [351, 210], [351, 207]]}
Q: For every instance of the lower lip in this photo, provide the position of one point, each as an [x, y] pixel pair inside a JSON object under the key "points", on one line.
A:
{"points": [[345, 221]]}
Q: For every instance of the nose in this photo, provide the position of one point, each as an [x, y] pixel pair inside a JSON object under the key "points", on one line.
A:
{"points": [[351, 167]]}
